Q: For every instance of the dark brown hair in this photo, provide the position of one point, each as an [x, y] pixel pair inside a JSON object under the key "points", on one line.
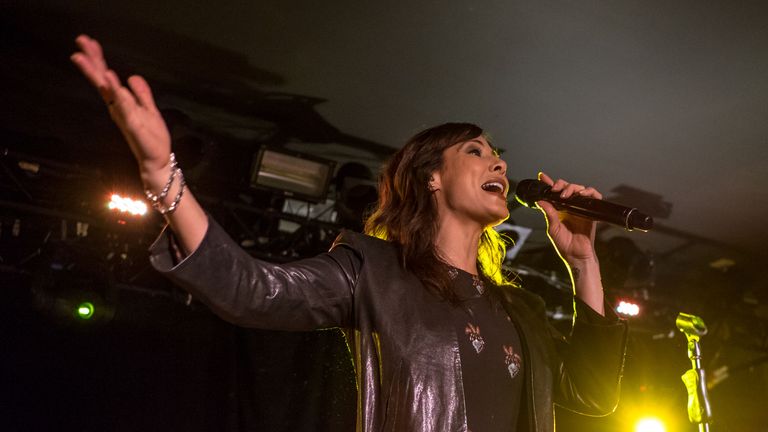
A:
{"points": [[406, 213]]}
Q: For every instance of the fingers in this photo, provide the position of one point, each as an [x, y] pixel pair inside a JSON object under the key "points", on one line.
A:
{"points": [[545, 178], [590, 192], [90, 61], [92, 50], [114, 93], [568, 190], [124, 105], [88, 69], [90, 58], [142, 91]]}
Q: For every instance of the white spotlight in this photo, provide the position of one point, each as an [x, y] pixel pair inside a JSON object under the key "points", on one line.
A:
{"points": [[127, 205], [627, 308]]}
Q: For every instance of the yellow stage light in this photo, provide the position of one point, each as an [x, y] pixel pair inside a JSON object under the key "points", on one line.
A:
{"points": [[649, 424]]}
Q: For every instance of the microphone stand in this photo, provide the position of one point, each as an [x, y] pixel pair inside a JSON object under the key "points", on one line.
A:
{"points": [[699, 409]]}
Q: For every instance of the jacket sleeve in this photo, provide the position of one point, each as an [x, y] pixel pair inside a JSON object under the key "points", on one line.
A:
{"points": [[303, 295], [591, 362]]}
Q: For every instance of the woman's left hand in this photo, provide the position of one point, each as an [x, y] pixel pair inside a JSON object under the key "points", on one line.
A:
{"points": [[573, 236]]}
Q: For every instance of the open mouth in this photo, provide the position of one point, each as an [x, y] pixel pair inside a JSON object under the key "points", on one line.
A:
{"points": [[495, 187]]}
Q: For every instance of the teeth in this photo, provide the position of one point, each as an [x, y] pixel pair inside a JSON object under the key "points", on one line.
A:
{"points": [[493, 186]]}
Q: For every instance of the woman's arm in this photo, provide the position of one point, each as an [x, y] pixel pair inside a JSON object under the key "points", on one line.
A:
{"points": [[591, 361], [302, 295], [134, 111]]}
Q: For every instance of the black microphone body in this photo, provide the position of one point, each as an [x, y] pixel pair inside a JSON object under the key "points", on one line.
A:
{"points": [[529, 191]]}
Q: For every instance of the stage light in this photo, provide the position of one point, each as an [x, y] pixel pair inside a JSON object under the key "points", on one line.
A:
{"points": [[650, 424], [73, 284], [127, 205], [292, 174], [627, 308], [85, 310]]}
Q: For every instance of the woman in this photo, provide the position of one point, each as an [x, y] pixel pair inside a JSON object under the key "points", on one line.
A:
{"points": [[441, 341]]}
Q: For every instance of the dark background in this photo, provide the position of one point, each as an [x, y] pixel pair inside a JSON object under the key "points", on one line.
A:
{"points": [[657, 104]]}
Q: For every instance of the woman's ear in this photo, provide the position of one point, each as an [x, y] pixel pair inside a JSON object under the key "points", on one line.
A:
{"points": [[434, 182]]}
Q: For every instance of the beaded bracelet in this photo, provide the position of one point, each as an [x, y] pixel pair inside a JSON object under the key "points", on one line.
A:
{"points": [[172, 208], [156, 200]]}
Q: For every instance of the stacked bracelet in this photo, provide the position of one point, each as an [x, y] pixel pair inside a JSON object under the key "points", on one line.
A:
{"points": [[156, 200]]}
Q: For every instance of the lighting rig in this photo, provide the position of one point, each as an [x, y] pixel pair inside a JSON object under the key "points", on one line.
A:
{"points": [[68, 237], [290, 205], [77, 239]]}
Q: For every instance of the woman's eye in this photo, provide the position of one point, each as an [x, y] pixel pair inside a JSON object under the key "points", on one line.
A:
{"points": [[475, 152]]}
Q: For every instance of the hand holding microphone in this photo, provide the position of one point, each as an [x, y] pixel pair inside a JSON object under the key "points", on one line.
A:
{"points": [[529, 191]]}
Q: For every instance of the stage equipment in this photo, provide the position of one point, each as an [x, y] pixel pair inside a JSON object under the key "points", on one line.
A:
{"points": [[127, 205], [624, 264], [323, 211], [517, 234], [292, 174], [649, 424], [71, 283], [356, 192], [529, 191], [628, 309], [85, 310], [699, 409]]}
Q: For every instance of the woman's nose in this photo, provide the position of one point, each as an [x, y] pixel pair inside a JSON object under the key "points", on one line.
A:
{"points": [[499, 165]]}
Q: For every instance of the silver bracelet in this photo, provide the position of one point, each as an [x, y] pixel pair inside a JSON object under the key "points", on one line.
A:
{"points": [[172, 208], [154, 199]]}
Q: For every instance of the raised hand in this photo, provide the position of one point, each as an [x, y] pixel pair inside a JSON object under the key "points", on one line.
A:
{"points": [[132, 108], [134, 111]]}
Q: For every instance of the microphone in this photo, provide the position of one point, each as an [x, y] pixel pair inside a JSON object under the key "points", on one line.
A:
{"points": [[690, 324], [529, 191]]}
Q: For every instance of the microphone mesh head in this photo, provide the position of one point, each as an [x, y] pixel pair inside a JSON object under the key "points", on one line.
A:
{"points": [[529, 191]]}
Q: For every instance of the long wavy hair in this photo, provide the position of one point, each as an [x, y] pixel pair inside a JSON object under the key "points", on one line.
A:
{"points": [[406, 212]]}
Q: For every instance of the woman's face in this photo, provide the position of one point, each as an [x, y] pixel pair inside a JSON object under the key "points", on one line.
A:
{"points": [[472, 183]]}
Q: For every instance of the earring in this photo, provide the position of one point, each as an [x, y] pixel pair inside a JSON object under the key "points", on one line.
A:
{"points": [[430, 186]]}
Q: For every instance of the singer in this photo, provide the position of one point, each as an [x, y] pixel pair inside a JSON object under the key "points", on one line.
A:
{"points": [[441, 339]]}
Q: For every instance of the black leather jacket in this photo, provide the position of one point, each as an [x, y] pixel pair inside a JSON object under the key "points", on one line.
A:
{"points": [[404, 347]]}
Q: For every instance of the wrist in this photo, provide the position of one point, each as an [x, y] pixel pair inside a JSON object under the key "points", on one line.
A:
{"points": [[584, 272], [154, 177], [590, 262], [167, 199], [587, 283]]}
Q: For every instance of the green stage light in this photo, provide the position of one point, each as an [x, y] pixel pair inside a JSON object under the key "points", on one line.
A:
{"points": [[85, 310]]}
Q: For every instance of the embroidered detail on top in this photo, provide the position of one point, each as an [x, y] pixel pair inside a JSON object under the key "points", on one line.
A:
{"points": [[512, 360], [474, 337], [478, 284], [453, 272]]}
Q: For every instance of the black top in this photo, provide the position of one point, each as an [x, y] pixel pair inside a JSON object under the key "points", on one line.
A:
{"points": [[491, 357]]}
